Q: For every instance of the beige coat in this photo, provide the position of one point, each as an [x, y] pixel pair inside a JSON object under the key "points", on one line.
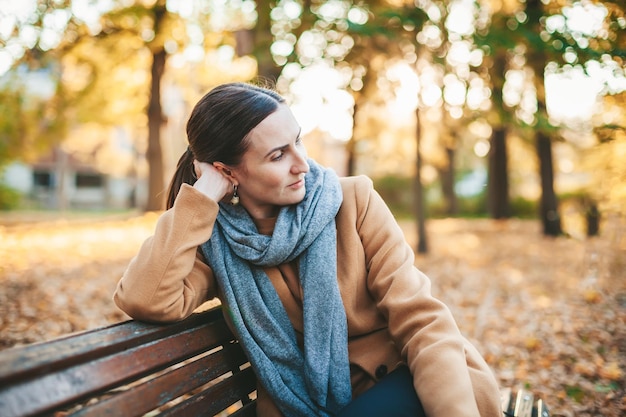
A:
{"points": [[392, 316]]}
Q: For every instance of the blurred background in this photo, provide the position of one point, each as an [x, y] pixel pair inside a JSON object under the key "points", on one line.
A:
{"points": [[455, 108], [494, 129]]}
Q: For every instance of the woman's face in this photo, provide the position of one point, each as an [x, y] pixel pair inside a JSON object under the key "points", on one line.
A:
{"points": [[271, 172]]}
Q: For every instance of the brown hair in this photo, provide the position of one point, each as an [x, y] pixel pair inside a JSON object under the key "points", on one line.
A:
{"points": [[218, 128]]}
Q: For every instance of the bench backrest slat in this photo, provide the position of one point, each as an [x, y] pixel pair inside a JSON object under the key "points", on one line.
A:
{"points": [[160, 390], [221, 395], [82, 347], [248, 410]]}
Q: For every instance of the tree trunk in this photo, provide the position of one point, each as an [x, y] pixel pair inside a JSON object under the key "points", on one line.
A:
{"points": [[360, 97], [420, 215], [60, 177], [498, 181], [498, 184], [592, 216], [259, 41], [537, 59], [549, 206], [351, 145], [154, 153], [447, 183]]}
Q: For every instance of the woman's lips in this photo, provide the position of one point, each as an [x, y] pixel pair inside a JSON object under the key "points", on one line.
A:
{"points": [[297, 184]]}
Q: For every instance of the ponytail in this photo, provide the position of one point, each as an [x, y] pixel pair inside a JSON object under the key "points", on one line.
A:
{"points": [[184, 174]]}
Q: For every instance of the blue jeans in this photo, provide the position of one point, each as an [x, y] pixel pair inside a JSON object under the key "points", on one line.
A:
{"points": [[392, 396]]}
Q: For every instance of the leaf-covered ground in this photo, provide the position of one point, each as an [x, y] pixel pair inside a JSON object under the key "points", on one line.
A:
{"points": [[548, 314]]}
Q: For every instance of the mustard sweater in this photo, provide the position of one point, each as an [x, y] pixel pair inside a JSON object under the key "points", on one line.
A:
{"points": [[392, 316]]}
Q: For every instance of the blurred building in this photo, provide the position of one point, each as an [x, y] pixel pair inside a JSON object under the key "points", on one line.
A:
{"points": [[61, 180]]}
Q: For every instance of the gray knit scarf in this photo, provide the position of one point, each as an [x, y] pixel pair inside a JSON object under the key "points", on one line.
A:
{"points": [[314, 381]]}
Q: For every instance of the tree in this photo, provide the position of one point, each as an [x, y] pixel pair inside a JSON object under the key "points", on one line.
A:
{"points": [[32, 119], [494, 38], [525, 30], [606, 159], [393, 32], [136, 37], [154, 153], [28, 123], [565, 48], [262, 42], [537, 60], [148, 26], [498, 205], [77, 93]]}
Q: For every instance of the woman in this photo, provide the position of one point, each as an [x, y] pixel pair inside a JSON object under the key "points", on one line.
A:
{"points": [[314, 273]]}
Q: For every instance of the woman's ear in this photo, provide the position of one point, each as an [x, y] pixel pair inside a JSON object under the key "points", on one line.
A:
{"points": [[225, 171]]}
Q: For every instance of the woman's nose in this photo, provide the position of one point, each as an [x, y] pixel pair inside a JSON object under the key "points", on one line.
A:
{"points": [[300, 164]]}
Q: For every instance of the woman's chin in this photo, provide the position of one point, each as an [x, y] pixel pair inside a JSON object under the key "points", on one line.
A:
{"points": [[297, 197]]}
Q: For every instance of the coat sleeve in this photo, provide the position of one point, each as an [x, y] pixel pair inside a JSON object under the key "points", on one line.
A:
{"points": [[168, 279], [450, 376]]}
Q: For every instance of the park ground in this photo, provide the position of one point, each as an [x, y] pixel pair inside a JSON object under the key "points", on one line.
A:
{"points": [[548, 314]]}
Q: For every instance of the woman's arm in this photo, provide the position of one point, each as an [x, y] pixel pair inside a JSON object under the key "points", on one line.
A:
{"points": [[449, 375], [167, 279]]}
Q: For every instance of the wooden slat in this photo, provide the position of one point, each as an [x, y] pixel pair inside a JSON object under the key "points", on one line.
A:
{"points": [[164, 388], [38, 358], [524, 404], [248, 410], [216, 398]]}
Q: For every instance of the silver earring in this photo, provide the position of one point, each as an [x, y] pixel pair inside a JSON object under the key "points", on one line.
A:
{"points": [[235, 198]]}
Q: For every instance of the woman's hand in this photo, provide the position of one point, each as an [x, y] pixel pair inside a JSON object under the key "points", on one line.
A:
{"points": [[210, 181]]}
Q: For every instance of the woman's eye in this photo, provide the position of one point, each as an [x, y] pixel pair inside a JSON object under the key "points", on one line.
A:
{"points": [[279, 156]]}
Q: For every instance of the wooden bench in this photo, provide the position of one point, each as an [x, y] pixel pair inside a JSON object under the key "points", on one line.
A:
{"points": [[191, 368]]}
